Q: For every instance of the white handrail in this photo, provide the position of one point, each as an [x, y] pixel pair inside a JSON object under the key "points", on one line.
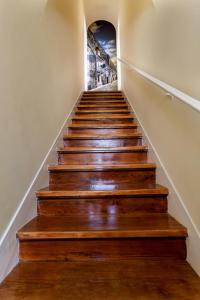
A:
{"points": [[192, 102]]}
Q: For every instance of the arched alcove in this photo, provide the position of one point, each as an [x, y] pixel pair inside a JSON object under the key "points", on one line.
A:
{"points": [[101, 55]]}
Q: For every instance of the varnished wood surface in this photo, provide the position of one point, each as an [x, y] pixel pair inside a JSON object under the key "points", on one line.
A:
{"points": [[149, 191], [102, 177], [139, 279], [103, 104], [104, 116], [102, 204], [103, 150], [102, 97], [101, 249], [100, 226], [101, 131], [103, 126], [103, 136], [102, 111], [104, 168], [101, 157]]}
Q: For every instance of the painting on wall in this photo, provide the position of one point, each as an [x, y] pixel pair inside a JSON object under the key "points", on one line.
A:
{"points": [[101, 55]]}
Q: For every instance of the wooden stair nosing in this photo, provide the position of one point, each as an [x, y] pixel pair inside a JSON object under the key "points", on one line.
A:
{"points": [[102, 126], [103, 111], [106, 105], [157, 191], [143, 225], [134, 135], [122, 102], [106, 116], [125, 149], [101, 168]]}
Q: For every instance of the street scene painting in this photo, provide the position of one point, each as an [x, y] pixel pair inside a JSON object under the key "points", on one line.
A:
{"points": [[101, 56]]}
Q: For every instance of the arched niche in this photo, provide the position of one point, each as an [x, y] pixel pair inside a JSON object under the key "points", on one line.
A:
{"points": [[101, 55]]}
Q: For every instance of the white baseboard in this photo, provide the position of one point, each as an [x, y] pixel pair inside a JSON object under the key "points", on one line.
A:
{"points": [[176, 206], [27, 210]]}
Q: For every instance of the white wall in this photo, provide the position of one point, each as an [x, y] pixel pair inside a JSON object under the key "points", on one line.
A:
{"points": [[41, 76]]}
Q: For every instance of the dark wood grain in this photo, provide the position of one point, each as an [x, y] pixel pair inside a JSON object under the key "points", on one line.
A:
{"points": [[102, 204], [103, 226], [101, 249], [81, 155], [140, 278]]}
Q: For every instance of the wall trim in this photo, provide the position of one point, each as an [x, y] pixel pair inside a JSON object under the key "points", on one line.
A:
{"points": [[171, 91], [176, 206], [27, 209]]}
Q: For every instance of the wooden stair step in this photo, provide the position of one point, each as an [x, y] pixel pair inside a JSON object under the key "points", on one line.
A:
{"points": [[103, 150], [102, 177], [90, 155], [141, 278], [101, 131], [103, 126], [103, 92], [98, 118], [102, 238], [73, 204], [158, 190], [105, 106], [103, 136], [106, 109], [102, 206], [99, 97], [138, 226], [96, 168], [108, 101], [103, 140], [103, 111], [105, 116]]}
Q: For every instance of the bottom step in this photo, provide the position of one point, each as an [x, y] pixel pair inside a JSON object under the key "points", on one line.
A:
{"points": [[99, 237], [139, 279]]}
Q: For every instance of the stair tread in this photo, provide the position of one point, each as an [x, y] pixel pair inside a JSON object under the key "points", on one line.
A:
{"points": [[151, 191], [103, 136], [105, 116], [141, 225], [140, 278], [102, 150], [103, 126], [125, 104], [111, 167], [103, 111], [117, 101]]}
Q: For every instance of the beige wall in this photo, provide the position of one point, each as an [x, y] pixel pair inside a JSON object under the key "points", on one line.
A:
{"points": [[164, 40], [101, 10], [41, 76], [165, 43]]}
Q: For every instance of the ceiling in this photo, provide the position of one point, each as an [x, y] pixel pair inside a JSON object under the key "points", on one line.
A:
{"points": [[101, 10]]}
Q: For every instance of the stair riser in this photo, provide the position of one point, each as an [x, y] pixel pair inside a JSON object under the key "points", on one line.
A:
{"points": [[110, 104], [99, 98], [102, 131], [101, 249], [103, 93], [102, 106], [99, 107], [103, 143], [103, 121], [121, 112], [101, 158], [102, 180], [109, 206]]}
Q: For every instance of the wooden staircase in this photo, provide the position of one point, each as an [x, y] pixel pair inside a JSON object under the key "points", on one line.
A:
{"points": [[103, 203]]}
